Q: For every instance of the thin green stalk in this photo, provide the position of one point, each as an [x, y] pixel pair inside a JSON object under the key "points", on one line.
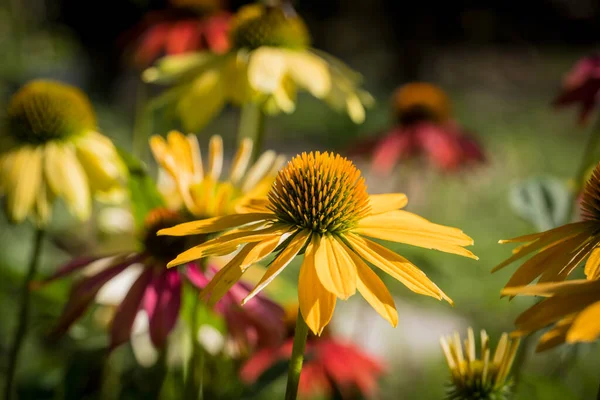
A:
{"points": [[141, 123], [300, 336], [195, 369], [252, 125], [25, 305]]}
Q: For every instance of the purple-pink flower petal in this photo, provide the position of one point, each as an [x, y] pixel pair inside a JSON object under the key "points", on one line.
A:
{"points": [[162, 303]]}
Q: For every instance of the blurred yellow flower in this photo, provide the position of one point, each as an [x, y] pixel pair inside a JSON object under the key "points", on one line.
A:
{"points": [[561, 250], [421, 101], [269, 62], [484, 378], [319, 206], [203, 192], [50, 148], [572, 307]]}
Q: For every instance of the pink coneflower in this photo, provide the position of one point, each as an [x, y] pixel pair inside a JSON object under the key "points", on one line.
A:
{"points": [[330, 365], [581, 86], [423, 126], [157, 290], [179, 29]]}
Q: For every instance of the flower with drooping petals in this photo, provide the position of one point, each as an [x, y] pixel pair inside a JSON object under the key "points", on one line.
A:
{"points": [[424, 126], [319, 206], [158, 291], [557, 252], [331, 365], [203, 191], [50, 148], [484, 378], [581, 87], [270, 61]]}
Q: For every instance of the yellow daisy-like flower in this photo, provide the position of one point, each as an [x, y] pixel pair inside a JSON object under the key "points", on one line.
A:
{"points": [[572, 307], [485, 378], [203, 192], [560, 250], [269, 62], [418, 101], [50, 148], [319, 206]]}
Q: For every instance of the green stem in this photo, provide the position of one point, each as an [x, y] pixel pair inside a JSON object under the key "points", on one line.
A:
{"points": [[252, 126], [141, 123], [195, 374], [300, 336], [25, 304], [587, 158]]}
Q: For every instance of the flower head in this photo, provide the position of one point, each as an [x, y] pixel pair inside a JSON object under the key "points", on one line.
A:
{"points": [[560, 250], [50, 148], [484, 378], [424, 125], [270, 61], [331, 364], [318, 206], [202, 189], [581, 87]]}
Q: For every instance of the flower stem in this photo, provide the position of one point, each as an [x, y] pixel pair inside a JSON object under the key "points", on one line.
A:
{"points": [[195, 373], [141, 122], [252, 125], [587, 158], [300, 335], [25, 303]]}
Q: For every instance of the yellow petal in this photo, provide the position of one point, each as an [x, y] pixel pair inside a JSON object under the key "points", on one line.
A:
{"points": [[100, 160], [180, 150], [309, 72], [554, 288], [355, 109], [592, 266], [316, 302], [373, 289], [23, 181], [241, 160], [266, 69], [280, 262], [555, 336], [396, 266], [215, 224], [215, 157], [67, 179], [335, 268], [586, 326], [404, 227], [252, 205], [381, 203], [258, 171], [203, 100]]}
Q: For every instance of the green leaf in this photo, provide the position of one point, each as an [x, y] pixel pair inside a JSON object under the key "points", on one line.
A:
{"points": [[142, 190], [543, 387], [545, 202]]}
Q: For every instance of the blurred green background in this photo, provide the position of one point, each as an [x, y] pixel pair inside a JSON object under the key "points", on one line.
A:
{"points": [[500, 63]]}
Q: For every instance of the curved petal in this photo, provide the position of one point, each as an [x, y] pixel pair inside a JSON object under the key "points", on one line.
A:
{"points": [[266, 69], [316, 303], [23, 181], [586, 326], [215, 224], [592, 266], [167, 291], [100, 161], [203, 100], [241, 160], [335, 268], [309, 72], [381, 203]]}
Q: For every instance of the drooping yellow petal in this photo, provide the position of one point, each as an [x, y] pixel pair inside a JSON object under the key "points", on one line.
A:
{"points": [[404, 227], [215, 157], [335, 268], [23, 181], [396, 266], [280, 262], [316, 302], [67, 179], [381, 203], [592, 266], [179, 147], [266, 69], [555, 288], [309, 72], [215, 224], [558, 272], [373, 289], [586, 325], [241, 160], [100, 160], [208, 89], [555, 336]]}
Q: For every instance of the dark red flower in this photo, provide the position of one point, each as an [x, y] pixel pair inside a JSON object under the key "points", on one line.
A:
{"points": [[581, 86], [422, 112]]}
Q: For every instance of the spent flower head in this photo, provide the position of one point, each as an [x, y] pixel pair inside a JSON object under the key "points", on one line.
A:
{"points": [[318, 206], [50, 148]]}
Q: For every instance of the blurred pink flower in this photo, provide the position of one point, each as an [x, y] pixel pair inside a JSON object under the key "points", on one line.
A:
{"points": [[329, 364], [424, 126], [581, 86]]}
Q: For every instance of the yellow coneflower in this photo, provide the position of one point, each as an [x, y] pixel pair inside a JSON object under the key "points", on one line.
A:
{"points": [[50, 148], [418, 101], [561, 249], [572, 307], [319, 206], [269, 62], [484, 378], [203, 192]]}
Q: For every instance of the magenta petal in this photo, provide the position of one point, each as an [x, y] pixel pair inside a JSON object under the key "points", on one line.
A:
{"points": [[84, 292], [163, 317], [127, 310], [67, 269], [196, 276]]}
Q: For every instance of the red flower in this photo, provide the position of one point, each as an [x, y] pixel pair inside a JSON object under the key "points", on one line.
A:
{"points": [[329, 365], [581, 86], [177, 31], [424, 127]]}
